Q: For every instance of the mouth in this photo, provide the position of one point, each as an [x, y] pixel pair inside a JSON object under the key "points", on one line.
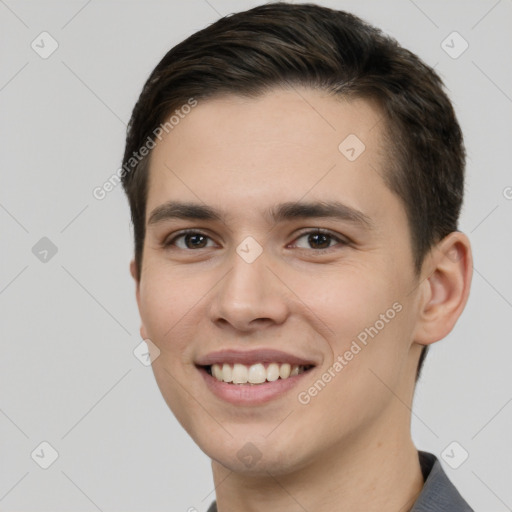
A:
{"points": [[255, 374], [253, 385]]}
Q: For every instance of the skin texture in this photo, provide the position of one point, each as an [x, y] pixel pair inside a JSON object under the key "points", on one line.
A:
{"points": [[350, 447]]}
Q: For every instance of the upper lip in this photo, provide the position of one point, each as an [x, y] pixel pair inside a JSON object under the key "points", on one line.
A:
{"points": [[250, 357]]}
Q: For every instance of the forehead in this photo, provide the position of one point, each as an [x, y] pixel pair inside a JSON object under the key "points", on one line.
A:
{"points": [[284, 145], [313, 121]]}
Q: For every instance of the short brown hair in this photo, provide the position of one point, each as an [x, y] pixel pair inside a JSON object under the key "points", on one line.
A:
{"points": [[280, 44]]}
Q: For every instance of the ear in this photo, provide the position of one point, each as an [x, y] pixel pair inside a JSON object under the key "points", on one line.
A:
{"points": [[133, 272], [444, 290]]}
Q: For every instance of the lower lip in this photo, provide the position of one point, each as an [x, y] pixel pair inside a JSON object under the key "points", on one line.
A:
{"points": [[251, 394]]}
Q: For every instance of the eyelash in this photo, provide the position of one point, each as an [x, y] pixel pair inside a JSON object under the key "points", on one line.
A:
{"points": [[316, 231]]}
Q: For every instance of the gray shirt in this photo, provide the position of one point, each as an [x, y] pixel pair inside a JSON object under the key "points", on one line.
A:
{"points": [[438, 493]]}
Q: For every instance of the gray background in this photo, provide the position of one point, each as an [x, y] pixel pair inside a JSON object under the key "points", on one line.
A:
{"points": [[69, 325]]}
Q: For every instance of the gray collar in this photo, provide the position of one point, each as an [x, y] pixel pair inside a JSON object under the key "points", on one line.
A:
{"points": [[438, 494]]}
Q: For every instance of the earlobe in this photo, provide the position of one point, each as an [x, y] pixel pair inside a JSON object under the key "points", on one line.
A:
{"points": [[445, 289], [133, 269], [133, 272]]}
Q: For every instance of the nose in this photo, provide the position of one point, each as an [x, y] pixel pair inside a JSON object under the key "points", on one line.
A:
{"points": [[250, 296]]}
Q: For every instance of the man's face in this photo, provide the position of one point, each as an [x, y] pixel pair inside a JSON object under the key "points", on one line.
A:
{"points": [[248, 282]]}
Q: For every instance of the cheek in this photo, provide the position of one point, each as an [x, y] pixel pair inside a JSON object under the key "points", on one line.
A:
{"points": [[352, 299], [368, 364], [370, 323], [165, 301]]}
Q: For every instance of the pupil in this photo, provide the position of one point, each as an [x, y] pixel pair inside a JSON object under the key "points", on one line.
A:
{"points": [[315, 236], [194, 236]]}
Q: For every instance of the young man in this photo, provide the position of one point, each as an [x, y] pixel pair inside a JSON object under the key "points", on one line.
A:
{"points": [[295, 179]]}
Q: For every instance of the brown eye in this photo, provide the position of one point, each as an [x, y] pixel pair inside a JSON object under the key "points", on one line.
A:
{"points": [[319, 240], [194, 241], [191, 240]]}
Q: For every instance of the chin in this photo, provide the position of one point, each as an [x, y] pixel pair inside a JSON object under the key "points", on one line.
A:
{"points": [[255, 458]]}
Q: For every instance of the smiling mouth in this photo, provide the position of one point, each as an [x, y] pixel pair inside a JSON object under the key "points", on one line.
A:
{"points": [[259, 373]]}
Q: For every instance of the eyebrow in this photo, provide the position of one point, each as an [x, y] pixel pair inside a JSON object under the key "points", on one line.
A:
{"points": [[279, 213]]}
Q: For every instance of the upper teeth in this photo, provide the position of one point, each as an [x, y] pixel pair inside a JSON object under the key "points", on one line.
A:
{"points": [[254, 374]]}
